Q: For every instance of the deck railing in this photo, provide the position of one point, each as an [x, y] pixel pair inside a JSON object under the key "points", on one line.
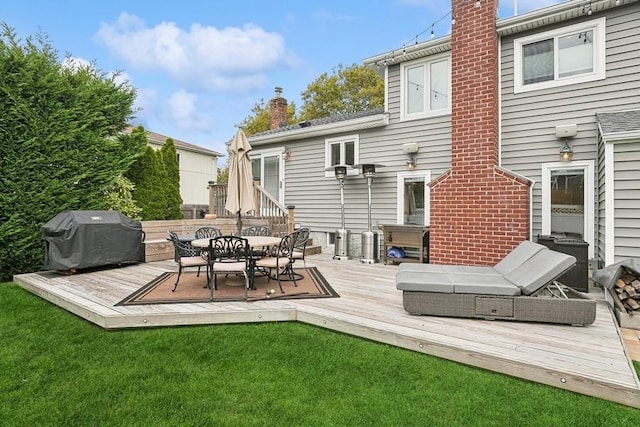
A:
{"points": [[280, 219]]}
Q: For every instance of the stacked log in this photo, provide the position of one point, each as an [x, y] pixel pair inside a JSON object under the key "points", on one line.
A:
{"points": [[628, 290]]}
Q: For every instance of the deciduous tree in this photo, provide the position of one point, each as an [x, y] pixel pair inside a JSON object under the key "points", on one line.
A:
{"points": [[346, 90]]}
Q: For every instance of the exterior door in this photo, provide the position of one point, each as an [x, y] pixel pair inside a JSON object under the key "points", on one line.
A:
{"points": [[268, 169], [413, 197], [568, 201]]}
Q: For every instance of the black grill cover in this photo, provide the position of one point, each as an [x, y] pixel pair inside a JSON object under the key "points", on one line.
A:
{"points": [[84, 239]]}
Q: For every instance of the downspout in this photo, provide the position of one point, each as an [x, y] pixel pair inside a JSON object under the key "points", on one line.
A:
{"points": [[499, 41], [533, 183]]}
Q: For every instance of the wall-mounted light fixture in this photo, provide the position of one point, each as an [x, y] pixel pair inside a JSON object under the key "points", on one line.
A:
{"points": [[566, 152], [410, 149], [286, 153], [565, 132], [411, 163]]}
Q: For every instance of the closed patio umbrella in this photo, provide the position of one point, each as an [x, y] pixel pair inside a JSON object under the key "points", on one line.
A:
{"points": [[240, 192]]}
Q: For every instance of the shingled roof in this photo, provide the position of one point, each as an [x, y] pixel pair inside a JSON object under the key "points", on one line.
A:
{"points": [[323, 121], [159, 139], [619, 123]]}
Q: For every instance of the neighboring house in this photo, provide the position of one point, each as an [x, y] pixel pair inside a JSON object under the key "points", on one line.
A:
{"points": [[198, 166], [489, 108]]}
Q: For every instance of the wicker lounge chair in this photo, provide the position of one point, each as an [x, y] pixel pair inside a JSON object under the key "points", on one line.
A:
{"points": [[520, 287]]}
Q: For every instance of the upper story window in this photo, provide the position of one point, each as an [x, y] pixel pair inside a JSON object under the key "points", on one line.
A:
{"points": [[425, 88], [560, 57], [342, 151]]}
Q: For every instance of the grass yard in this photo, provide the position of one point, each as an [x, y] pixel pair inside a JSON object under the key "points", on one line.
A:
{"points": [[57, 369]]}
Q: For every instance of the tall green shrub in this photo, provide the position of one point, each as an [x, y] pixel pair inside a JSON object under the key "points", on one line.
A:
{"points": [[172, 186], [149, 177], [58, 149]]}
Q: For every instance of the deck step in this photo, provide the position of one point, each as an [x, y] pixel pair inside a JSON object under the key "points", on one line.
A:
{"points": [[313, 250]]}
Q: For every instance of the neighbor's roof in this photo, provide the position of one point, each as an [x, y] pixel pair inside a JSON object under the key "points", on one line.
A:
{"points": [[159, 139]]}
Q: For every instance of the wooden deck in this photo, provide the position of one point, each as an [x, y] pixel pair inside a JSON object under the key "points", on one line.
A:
{"points": [[591, 360]]}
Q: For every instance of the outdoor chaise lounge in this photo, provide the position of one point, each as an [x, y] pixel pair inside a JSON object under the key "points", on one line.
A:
{"points": [[520, 287]]}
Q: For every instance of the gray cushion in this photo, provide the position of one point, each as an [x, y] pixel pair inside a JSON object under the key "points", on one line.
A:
{"points": [[421, 268], [518, 256], [539, 270], [432, 282], [441, 268], [483, 284]]}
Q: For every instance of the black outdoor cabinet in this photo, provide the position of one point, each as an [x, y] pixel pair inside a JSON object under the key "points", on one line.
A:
{"points": [[578, 276], [84, 239]]}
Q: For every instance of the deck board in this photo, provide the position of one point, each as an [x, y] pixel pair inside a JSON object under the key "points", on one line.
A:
{"points": [[592, 360]]}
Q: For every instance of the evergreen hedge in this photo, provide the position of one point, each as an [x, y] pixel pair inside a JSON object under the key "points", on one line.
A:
{"points": [[57, 146]]}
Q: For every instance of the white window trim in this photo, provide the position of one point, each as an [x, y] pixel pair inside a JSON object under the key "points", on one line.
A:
{"points": [[599, 70], [401, 176], [338, 140], [587, 167], [404, 116]]}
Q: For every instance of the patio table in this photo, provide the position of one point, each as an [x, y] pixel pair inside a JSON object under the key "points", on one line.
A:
{"points": [[255, 243]]}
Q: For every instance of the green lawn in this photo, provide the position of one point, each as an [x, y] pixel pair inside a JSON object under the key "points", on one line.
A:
{"points": [[57, 369]]}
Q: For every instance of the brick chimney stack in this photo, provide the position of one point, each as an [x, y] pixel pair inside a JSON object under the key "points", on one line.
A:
{"points": [[479, 211], [278, 110]]}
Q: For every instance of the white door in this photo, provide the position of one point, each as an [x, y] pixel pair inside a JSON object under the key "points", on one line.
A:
{"points": [[413, 197], [268, 168], [568, 200]]}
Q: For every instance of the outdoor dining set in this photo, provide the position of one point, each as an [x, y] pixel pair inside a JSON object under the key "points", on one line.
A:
{"points": [[253, 252]]}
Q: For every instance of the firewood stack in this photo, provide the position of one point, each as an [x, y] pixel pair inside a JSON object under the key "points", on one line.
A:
{"points": [[628, 290]]}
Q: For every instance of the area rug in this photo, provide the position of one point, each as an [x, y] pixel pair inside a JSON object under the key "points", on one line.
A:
{"points": [[191, 289]]}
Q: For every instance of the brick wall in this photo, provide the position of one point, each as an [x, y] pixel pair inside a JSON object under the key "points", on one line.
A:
{"points": [[479, 211]]}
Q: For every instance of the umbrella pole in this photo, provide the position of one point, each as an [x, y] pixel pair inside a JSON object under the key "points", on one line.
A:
{"points": [[239, 223]]}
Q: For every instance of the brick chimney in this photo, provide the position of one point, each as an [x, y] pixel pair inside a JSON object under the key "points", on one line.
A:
{"points": [[479, 211], [278, 110]]}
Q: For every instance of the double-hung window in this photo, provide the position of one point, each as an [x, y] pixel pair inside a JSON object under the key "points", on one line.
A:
{"points": [[425, 88], [560, 57], [342, 151]]}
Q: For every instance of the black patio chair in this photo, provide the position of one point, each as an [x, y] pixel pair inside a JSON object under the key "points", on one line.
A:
{"points": [[207, 232], [228, 255], [300, 244], [279, 261], [256, 230], [186, 256]]}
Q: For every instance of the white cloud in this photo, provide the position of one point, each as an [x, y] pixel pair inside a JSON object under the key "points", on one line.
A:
{"points": [[182, 110], [202, 57]]}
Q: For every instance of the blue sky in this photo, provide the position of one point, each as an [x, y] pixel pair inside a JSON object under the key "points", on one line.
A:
{"points": [[200, 66]]}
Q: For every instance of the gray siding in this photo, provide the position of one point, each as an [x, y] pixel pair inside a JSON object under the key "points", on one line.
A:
{"points": [[528, 119], [627, 201], [317, 198]]}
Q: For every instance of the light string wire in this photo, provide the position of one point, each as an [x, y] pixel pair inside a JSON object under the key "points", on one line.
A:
{"points": [[414, 40]]}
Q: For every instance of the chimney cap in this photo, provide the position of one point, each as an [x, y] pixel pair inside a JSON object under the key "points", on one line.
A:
{"points": [[278, 91]]}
